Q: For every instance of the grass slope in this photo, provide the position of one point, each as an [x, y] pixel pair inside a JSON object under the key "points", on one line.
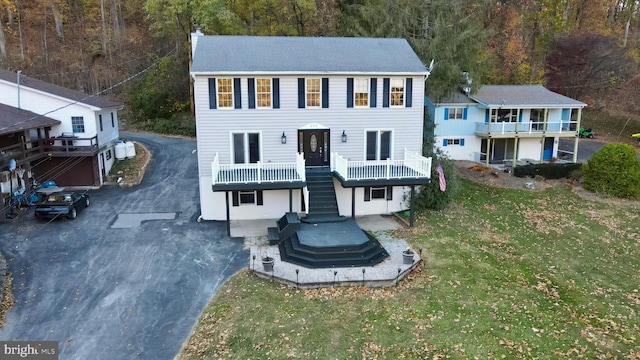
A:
{"points": [[507, 274]]}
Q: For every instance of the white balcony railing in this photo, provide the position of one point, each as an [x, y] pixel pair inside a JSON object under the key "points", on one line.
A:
{"points": [[257, 172], [529, 127], [413, 166]]}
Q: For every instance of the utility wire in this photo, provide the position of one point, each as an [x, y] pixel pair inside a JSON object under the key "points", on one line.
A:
{"points": [[96, 94]]}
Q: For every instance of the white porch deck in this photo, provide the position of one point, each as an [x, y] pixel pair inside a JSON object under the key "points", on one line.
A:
{"points": [[413, 166]]}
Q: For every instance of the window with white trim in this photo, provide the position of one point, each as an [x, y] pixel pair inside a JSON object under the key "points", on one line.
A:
{"points": [[313, 93], [453, 141], [263, 93], [397, 92], [247, 197], [77, 124], [378, 193], [224, 92], [378, 145], [361, 92], [113, 121], [108, 154], [456, 113], [245, 147]]}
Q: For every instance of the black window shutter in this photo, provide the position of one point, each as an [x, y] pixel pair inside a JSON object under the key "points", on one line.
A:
{"points": [[276, 93], [213, 103], [385, 92], [236, 198], [409, 91], [389, 192], [374, 92], [325, 93], [236, 93], [349, 92], [259, 200], [367, 193], [251, 87], [301, 94]]}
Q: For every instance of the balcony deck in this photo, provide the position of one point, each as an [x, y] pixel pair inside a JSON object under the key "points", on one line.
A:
{"points": [[258, 175], [413, 170], [526, 129]]}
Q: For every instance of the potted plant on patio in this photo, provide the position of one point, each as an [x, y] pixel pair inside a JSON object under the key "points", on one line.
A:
{"points": [[267, 262], [407, 256]]}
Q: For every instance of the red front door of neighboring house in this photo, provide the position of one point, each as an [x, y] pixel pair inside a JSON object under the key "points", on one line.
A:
{"points": [[314, 144]]}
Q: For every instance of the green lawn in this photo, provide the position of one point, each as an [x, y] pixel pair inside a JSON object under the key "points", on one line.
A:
{"points": [[507, 274]]}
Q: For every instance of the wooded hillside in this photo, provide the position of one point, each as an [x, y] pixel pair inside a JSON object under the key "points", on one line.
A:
{"points": [[137, 50]]}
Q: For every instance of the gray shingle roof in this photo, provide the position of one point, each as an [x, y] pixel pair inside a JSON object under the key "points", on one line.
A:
{"points": [[522, 96], [304, 54], [60, 91], [13, 120]]}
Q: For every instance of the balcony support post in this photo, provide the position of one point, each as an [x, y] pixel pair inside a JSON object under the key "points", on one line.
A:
{"points": [[226, 198], [353, 203], [290, 200], [413, 188]]}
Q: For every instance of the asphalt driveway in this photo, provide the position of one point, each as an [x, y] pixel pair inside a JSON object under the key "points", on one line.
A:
{"points": [[129, 277]]}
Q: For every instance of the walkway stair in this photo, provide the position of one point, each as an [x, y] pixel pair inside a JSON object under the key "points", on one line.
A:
{"points": [[366, 254], [323, 206], [286, 226]]}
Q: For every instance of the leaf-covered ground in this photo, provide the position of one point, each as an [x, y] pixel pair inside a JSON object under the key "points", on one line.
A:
{"points": [[507, 274]]}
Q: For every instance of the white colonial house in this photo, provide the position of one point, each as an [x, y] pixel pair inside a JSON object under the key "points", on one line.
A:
{"points": [[327, 127], [505, 124], [55, 133]]}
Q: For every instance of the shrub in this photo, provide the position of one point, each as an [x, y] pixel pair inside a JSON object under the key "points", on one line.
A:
{"points": [[547, 171], [430, 196], [613, 170]]}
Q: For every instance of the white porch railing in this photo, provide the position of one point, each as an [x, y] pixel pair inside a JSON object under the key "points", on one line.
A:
{"points": [[257, 172], [413, 166], [305, 191], [530, 127]]}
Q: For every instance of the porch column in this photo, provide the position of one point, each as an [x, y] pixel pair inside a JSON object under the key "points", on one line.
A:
{"points": [[515, 151], [575, 143], [290, 200], [413, 189], [487, 151], [226, 199], [353, 203]]}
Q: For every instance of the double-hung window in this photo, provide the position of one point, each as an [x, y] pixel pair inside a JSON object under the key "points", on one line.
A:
{"points": [[77, 124], [456, 113], [263, 92], [397, 92], [361, 92], [313, 92], [224, 89], [246, 147], [378, 145]]}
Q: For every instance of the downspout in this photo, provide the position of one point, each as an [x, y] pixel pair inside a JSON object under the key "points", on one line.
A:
{"points": [[18, 80]]}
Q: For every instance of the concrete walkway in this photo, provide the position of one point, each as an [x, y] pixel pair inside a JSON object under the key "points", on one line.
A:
{"points": [[386, 273]]}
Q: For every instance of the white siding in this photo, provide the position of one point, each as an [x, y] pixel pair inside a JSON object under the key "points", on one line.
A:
{"points": [[214, 126]]}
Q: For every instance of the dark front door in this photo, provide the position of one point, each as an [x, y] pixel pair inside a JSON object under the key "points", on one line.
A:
{"points": [[315, 146]]}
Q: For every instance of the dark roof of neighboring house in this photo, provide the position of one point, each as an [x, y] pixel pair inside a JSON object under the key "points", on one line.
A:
{"points": [[279, 54], [13, 120], [522, 96], [60, 91], [455, 98]]}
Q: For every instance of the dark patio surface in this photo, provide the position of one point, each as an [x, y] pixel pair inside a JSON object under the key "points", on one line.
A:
{"points": [[338, 234]]}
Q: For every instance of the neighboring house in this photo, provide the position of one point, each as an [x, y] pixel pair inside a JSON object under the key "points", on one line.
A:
{"points": [[505, 124], [55, 133], [276, 115]]}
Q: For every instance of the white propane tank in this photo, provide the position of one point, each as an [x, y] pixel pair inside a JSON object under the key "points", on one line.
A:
{"points": [[130, 149], [120, 150]]}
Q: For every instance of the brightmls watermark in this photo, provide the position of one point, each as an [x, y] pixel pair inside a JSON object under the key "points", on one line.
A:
{"points": [[33, 350]]}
